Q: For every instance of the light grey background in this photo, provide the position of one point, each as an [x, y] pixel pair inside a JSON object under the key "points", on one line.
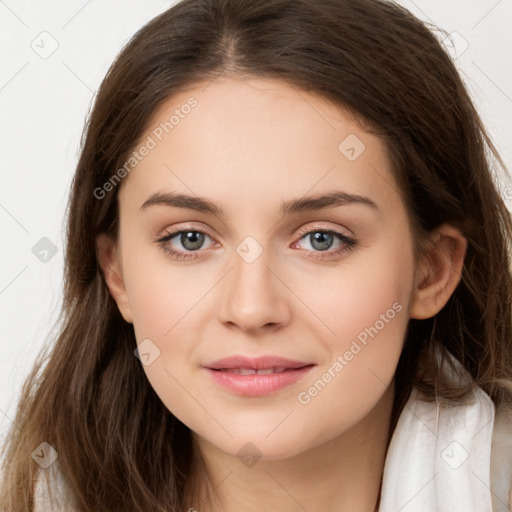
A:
{"points": [[43, 103]]}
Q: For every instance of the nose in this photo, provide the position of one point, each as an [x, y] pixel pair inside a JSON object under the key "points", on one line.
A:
{"points": [[253, 297]]}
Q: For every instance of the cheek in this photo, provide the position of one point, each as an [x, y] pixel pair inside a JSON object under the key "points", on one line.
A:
{"points": [[167, 302], [166, 306], [161, 294], [362, 361], [366, 308], [372, 300], [371, 289]]}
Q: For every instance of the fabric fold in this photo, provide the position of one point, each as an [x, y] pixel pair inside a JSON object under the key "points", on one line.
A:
{"points": [[439, 457]]}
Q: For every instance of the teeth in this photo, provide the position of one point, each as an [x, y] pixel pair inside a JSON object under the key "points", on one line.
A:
{"points": [[245, 371], [267, 371], [250, 371]]}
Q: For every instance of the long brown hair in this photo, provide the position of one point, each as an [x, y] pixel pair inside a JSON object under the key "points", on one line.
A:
{"points": [[119, 448]]}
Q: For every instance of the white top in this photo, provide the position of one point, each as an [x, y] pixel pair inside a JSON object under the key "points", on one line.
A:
{"points": [[440, 459]]}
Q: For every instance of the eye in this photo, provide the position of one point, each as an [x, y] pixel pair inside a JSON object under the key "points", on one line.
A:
{"points": [[190, 239], [321, 240]]}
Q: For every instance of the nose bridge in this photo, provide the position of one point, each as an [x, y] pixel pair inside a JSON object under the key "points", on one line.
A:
{"points": [[252, 296]]}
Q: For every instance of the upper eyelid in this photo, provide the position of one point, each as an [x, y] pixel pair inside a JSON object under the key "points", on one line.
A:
{"points": [[301, 232]]}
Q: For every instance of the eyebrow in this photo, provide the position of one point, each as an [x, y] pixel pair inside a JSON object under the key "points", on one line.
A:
{"points": [[311, 203]]}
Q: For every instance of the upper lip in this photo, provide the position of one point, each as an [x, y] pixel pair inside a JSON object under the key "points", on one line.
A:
{"points": [[256, 363]]}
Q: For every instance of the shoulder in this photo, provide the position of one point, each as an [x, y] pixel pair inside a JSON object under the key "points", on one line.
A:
{"points": [[501, 461]]}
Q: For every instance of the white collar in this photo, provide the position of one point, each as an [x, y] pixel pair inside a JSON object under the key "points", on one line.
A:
{"points": [[438, 459]]}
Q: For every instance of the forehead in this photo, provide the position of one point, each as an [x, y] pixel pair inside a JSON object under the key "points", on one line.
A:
{"points": [[257, 139]]}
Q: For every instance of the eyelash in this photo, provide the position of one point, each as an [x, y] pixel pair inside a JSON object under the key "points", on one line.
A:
{"points": [[349, 243]]}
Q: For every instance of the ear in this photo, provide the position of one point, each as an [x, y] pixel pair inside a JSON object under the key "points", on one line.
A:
{"points": [[110, 263], [439, 273]]}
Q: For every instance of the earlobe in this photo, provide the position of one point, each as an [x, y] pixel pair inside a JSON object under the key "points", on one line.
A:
{"points": [[110, 264], [440, 272]]}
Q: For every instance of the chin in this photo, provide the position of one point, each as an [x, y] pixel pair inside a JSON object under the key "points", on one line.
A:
{"points": [[253, 448]]}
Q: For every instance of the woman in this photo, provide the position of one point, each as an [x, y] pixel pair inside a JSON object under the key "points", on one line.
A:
{"points": [[287, 276]]}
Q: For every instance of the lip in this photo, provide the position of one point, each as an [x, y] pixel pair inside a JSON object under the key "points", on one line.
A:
{"points": [[257, 384], [255, 363]]}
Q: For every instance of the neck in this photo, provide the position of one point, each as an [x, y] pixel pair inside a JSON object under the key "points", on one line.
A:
{"points": [[342, 475]]}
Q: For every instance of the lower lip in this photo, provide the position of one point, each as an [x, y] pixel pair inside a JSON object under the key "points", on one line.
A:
{"points": [[258, 385]]}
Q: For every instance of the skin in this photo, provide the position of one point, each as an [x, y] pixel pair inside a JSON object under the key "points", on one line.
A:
{"points": [[249, 145]]}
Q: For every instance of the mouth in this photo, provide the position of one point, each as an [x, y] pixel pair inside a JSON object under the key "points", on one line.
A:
{"points": [[252, 371], [275, 364], [249, 381]]}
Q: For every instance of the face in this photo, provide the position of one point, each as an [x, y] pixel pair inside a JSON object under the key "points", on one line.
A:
{"points": [[264, 271]]}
